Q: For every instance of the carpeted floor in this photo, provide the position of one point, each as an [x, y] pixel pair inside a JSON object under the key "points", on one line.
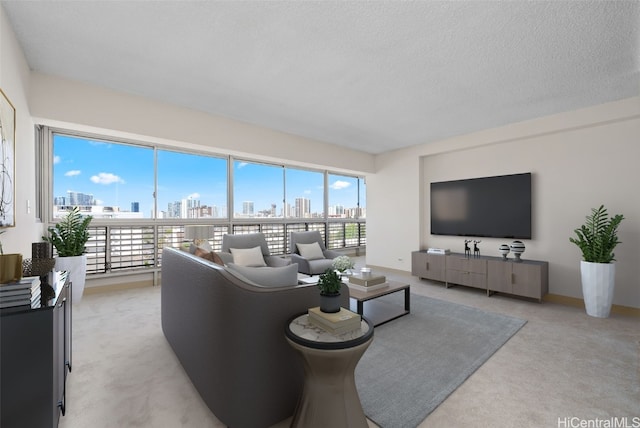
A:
{"points": [[426, 354], [561, 364]]}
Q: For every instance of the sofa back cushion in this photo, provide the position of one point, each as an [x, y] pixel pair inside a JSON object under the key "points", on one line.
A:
{"points": [[266, 276]]}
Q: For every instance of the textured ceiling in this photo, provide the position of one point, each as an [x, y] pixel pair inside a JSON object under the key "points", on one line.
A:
{"points": [[372, 76]]}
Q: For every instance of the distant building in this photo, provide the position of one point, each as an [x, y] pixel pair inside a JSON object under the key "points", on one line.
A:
{"points": [[96, 211], [303, 208], [135, 207], [247, 208], [78, 198]]}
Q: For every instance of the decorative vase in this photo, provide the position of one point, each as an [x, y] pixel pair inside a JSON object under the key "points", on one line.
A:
{"points": [[40, 250], [330, 303], [76, 266], [504, 250], [517, 248], [598, 282], [10, 267]]}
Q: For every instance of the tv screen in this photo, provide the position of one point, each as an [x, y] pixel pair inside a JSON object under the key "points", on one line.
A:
{"points": [[496, 207]]}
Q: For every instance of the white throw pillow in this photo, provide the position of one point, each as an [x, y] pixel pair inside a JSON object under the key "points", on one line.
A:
{"points": [[248, 256], [310, 251]]}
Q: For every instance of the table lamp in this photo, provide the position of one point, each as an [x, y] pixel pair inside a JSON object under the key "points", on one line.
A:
{"points": [[198, 233]]}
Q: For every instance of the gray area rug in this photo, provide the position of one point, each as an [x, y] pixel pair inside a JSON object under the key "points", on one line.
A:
{"points": [[417, 361]]}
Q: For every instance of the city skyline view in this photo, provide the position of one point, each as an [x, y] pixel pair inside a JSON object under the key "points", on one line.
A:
{"points": [[121, 176]]}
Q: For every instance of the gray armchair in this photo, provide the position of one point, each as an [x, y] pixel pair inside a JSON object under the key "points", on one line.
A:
{"points": [[311, 266], [250, 240]]}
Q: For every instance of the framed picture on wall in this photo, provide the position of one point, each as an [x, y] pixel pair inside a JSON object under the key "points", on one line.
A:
{"points": [[7, 161]]}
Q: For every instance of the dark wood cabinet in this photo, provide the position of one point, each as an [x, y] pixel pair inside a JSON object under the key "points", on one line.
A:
{"points": [[35, 358]]}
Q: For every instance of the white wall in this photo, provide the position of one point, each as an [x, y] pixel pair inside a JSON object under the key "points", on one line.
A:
{"points": [[60, 102], [579, 160], [14, 81]]}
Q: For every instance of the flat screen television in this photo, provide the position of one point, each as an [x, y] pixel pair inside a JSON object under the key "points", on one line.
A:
{"points": [[496, 207]]}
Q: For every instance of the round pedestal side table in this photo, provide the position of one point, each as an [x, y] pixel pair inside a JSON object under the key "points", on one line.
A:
{"points": [[329, 396]]}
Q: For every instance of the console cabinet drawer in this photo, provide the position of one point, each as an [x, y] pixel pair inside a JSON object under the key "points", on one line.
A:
{"points": [[455, 262], [470, 279]]}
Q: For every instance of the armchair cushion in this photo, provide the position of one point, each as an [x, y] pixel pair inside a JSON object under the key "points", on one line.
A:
{"points": [[248, 256], [267, 276], [310, 251]]}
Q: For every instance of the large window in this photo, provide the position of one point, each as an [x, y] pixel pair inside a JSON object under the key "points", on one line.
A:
{"points": [[105, 179], [142, 195], [191, 186], [114, 180]]}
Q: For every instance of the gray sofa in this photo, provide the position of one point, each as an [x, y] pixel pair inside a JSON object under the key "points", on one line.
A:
{"points": [[228, 334]]}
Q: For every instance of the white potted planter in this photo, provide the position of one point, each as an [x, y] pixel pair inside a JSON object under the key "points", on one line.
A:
{"points": [[598, 283], [77, 268], [597, 239], [69, 237]]}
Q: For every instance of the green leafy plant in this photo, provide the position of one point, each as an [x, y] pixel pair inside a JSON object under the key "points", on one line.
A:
{"points": [[598, 237], [70, 234], [329, 282]]}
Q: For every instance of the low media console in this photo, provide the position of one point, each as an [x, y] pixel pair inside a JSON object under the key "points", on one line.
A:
{"points": [[527, 278]]}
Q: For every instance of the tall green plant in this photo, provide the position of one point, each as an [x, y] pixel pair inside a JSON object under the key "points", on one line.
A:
{"points": [[598, 236], [70, 234]]}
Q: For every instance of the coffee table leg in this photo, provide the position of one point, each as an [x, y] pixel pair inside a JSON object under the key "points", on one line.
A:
{"points": [[360, 308], [407, 300]]}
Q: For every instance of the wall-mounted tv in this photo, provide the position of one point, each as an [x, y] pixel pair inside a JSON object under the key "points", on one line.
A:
{"points": [[496, 207]]}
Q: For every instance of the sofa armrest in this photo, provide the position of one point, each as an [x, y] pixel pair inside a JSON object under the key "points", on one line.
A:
{"points": [[276, 261]]}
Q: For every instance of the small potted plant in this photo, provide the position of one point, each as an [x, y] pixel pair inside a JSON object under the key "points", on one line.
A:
{"points": [[343, 264], [69, 237], [597, 239], [330, 284]]}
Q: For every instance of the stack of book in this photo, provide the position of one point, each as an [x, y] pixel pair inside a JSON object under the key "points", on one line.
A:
{"points": [[336, 323], [368, 282], [25, 292]]}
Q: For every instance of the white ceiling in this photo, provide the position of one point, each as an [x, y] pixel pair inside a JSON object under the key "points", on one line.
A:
{"points": [[370, 75]]}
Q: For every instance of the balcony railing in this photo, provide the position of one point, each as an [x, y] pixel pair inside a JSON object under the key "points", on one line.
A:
{"points": [[135, 248]]}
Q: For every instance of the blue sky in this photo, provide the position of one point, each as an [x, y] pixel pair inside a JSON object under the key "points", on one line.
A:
{"points": [[118, 174]]}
